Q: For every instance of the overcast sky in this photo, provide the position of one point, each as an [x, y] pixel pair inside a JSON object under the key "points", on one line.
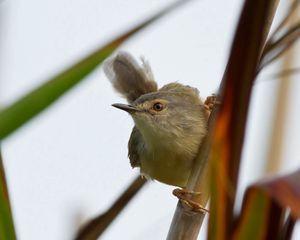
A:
{"points": [[70, 163]]}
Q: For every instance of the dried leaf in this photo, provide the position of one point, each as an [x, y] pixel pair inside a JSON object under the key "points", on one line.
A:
{"points": [[274, 50], [250, 37], [264, 205], [252, 31]]}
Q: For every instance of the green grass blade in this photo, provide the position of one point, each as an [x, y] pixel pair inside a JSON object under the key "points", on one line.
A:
{"points": [[24, 109], [7, 230]]}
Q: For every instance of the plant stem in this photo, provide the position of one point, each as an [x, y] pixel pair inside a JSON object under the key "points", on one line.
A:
{"points": [[274, 158], [186, 223], [95, 227]]}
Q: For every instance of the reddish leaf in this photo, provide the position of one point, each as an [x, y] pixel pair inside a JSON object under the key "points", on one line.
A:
{"points": [[264, 206], [250, 37]]}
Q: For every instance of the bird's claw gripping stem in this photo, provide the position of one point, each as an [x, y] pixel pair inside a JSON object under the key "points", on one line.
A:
{"points": [[210, 102], [183, 194]]}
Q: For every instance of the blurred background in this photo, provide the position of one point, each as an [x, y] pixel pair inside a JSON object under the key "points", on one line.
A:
{"points": [[70, 163]]}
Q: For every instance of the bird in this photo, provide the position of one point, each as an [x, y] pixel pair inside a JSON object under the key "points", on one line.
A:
{"points": [[170, 122]]}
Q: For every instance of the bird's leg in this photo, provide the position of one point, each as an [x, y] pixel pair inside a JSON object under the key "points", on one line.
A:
{"points": [[184, 194], [210, 102]]}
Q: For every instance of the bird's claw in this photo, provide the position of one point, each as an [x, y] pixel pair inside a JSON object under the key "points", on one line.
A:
{"points": [[183, 195], [210, 102]]}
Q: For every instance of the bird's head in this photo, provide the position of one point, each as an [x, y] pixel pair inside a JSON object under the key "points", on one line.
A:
{"points": [[174, 111]]}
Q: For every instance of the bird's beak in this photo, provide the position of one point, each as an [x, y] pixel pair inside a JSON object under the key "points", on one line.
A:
{"points": [[126, 107]]}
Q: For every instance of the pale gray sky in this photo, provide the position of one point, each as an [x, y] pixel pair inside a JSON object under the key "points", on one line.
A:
{"points": [[70, 162]]}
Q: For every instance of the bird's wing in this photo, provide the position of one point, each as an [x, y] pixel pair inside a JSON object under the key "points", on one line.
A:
{"points": [[135, 147], [128, 77]]}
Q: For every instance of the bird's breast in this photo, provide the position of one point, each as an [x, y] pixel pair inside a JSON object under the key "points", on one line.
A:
{"points": [[167, 162], [168, 155]]}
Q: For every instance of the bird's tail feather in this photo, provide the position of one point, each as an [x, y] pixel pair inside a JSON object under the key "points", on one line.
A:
{"points": [[129, 78]]}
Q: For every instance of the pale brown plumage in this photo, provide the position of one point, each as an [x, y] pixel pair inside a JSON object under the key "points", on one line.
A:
{"points": [[170, 123]]}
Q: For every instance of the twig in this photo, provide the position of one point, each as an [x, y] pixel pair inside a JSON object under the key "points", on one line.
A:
{"points": [[285, 73], [289, 225], [94, 229], [292, 9], [274, 158], [276, 49]]}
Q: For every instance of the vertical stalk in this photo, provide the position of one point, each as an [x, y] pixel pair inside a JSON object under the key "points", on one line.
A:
{"points": [[274, 158], [235, 88]]}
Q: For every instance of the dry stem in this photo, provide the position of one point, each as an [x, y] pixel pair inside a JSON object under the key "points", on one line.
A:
{"points": [[186, 223]]}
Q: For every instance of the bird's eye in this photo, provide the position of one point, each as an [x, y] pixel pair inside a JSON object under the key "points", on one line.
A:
{"points": [[158, 107]]}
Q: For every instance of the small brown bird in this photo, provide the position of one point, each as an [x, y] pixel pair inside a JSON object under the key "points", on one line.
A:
{"points": [[170, 122]]}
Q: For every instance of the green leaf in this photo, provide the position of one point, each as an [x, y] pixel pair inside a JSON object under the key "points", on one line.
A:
{"points": [[7, 230], [28, 106]]}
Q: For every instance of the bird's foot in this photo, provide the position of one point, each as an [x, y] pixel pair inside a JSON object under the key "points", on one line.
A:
{"points": [[184, 196], [210, 102]]}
